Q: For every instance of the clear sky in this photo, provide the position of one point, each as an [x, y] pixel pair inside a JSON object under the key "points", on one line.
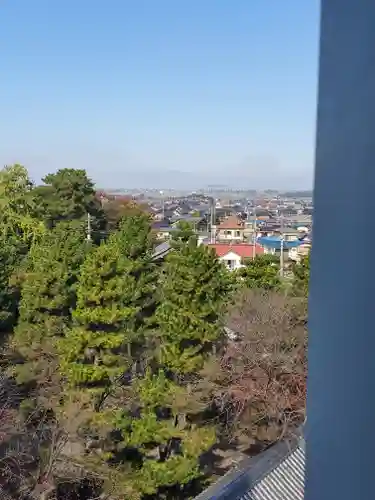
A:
{"points": [[161, 92]]}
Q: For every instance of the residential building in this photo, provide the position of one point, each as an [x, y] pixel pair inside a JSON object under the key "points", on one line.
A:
{"points": [[183, 208], [261, 213], [163, 230], [299, 220], [269, 228], [297, 253], [197, 223], [223, 212], [161, 214], [251, 230], [234, 255], [231, 229], [273, 244], [289, 234]]}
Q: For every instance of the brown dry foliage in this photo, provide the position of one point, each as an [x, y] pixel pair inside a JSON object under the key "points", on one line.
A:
{"points": [[116, 208], [261, 385], [32, 443]]}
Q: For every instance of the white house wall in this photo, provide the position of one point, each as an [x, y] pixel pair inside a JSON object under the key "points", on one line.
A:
{"points": [[232, 256]]}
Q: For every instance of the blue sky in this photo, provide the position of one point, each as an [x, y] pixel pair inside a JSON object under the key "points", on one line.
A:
{"points": [[161, 92]]}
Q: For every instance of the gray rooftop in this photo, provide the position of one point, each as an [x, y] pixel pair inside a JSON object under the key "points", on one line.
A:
{"points": [[276, 474], [161, 250], [186, 218]]}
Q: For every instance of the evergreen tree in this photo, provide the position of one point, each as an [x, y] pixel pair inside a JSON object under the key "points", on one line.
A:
{"points": [[261, 272], [12, 253], [155, 451], [145, 441], [18, 207], [301, 271], [47, 297], [15, 190], [136, 241], [194, 289], [170, 446], [114, 297], [92, 353], [69, 195], [134, 236], [184, 234]]}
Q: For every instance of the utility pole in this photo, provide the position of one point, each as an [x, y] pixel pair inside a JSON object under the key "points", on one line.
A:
{"points": [[282, 247], [212, 221], [89, 230], [162, 203], [254, 231]]}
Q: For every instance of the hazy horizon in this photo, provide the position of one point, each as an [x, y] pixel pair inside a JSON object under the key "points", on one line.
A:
{"points": [[161, 94]]}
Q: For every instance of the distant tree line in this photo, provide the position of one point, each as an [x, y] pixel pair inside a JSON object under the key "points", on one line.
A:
{"points": [[297, 194]]}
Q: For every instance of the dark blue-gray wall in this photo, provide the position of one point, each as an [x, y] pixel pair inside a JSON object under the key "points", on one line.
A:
{"points": [[341, 382]]}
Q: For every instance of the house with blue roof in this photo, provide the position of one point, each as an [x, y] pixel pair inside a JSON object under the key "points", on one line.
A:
{"points": [[273, 244], [293, 249]]}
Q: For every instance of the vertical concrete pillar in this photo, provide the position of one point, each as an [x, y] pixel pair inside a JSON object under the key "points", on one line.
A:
{"points": [[340, 427]]}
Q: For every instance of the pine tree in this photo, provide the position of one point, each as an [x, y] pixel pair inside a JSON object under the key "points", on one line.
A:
{"points": [[194, 289], [47, 297], [68, 194], [134, 236], [136, 241], [166, 429], [170, 446], [13, 251], [261, 272], [145, 441], [15, 191], [301, 271], [184, 234], [19, 213], [114, 297], [92, 353], [154, 451]]}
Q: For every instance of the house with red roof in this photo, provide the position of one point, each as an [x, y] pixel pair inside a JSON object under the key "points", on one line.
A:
{"points": [[234, 254], [231, 229]]}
